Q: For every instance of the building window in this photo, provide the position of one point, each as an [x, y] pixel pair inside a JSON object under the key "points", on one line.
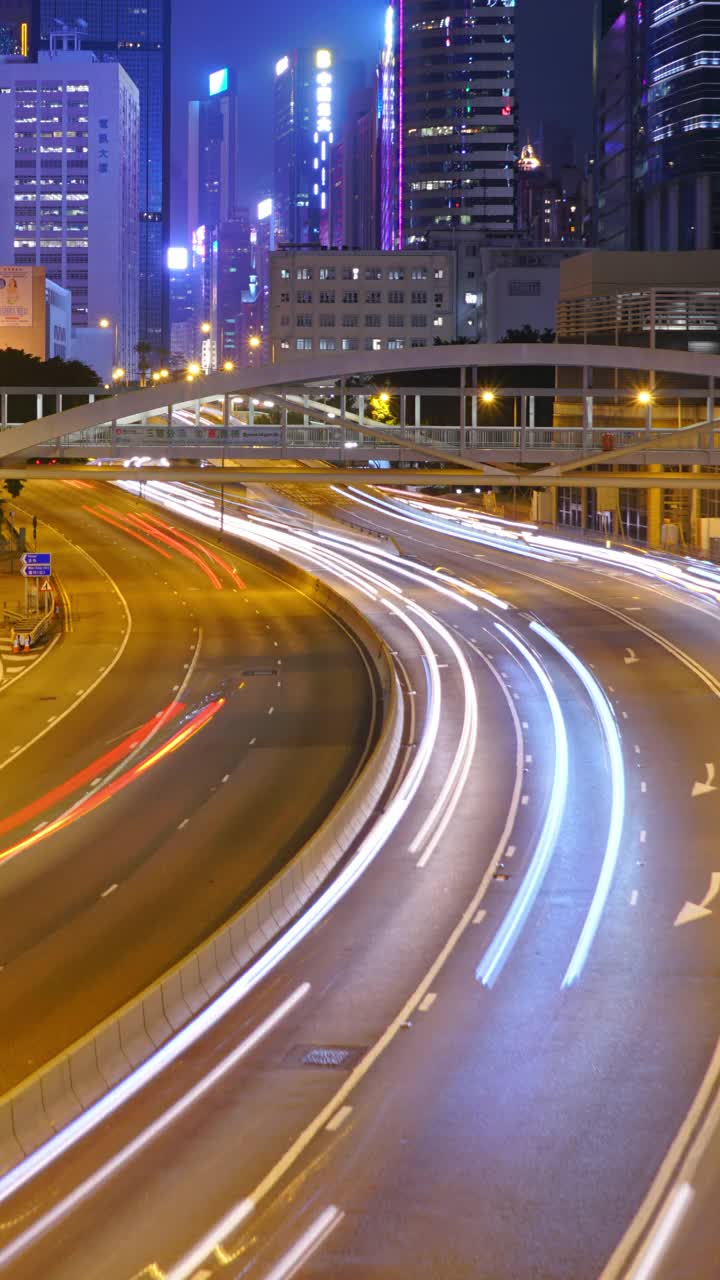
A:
{"points": [[396, 296], [373, 273], [284, 297], [418, 296], [304, 296], [437, 321], [373, 344], [351, 273], [349, 344], [372, 320], [304, 273], [396, 321], [327, 344], [438, 273], [418, 322], [284, 273], [327, 273], [303, 344], [396, 344], [418, 342], [524, 288], [350, 322], [304, 321], [284, 322], [350, 296], [419, 273], [327, 322], [373, 296], [438, 299], [328, 295], [398, 274]]}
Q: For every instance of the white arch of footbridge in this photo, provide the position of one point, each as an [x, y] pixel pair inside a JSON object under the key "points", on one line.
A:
{"points": [[306, 386]]}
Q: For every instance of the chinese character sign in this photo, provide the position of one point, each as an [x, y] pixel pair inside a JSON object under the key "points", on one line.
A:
{"points": [[16, 297]]}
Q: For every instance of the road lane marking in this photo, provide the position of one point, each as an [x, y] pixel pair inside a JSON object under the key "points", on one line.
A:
{"points": [[305, 1247], [48, 1220], [271, 711], [478, 919], [633, 898], [110, 889], [636, 749], [427, 1002], [339, 1118], [252, 742], [643, 836], [183, 824], [525, 800], [643, 786], [225, 777], [510, 851], [704, 788]]}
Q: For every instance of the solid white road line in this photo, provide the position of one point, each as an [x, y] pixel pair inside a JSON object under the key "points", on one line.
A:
{"points": [[339, 1118], [309, 1242], [87, 1188]]}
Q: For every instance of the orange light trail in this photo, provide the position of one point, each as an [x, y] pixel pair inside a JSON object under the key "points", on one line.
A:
{"points": [[94, 801], [91, 771], [173, 542], [124, 529], [213, 555]]}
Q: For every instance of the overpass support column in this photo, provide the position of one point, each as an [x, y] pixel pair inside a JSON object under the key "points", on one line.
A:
{"points": [[283, 430], [544, 505], [4, 409], [710, 412], [417, 412], [587, 410], [197, 413], [473, 401], [39, 405], [654, 511], [463, 408], [343, 428]]}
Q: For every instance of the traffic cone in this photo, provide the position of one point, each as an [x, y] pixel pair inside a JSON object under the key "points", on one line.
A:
{"points": [[27, 644], [16, 643]]}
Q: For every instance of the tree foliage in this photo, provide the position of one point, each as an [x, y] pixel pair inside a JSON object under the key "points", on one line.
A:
{"points": [[528, 334], [20, 369]]}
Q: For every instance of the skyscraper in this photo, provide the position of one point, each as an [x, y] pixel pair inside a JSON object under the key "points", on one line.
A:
{"points": [[682, 186], [69, 199], [213, 127], [457, 116], [389, 134], [15, 21], [620, 123], [302, 140], [138, 37], [361, 206]]}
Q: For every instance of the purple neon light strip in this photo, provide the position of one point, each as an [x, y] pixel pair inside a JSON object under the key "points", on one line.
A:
{"points": [[401, 122]]}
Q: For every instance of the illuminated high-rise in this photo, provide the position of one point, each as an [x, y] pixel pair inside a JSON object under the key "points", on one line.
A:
{"points": [[213, 128], [457, 130], [138, 37], [15, 23], [303, 136]]}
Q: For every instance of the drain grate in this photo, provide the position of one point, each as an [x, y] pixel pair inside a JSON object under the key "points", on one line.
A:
{"points": [[336, 1057]]}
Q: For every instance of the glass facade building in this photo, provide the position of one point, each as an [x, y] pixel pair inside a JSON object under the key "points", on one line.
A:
{"points": [[138, 37], [303, 136], [457, 121]]}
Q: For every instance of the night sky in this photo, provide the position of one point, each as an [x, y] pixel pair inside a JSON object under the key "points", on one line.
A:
{"points": [[553, 66]]}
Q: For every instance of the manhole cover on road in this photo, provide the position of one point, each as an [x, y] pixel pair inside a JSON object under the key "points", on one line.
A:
{"points": [[337, 1057]]}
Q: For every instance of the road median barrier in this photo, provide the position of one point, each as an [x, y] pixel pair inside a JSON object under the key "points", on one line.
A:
{"points": [[42, 1105]]}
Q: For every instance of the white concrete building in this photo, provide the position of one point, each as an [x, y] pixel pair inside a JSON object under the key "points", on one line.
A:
{"points": [[69, 194], [359, 300]]}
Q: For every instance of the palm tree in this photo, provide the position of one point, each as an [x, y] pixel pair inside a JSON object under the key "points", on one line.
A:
{"points": [[143, 349]]}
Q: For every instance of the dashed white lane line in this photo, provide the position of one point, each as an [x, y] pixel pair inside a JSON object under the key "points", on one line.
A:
{"points": [[510, 851], [270, 711], [183, 824], [427, 1002], [252, 742], [636, 749], [643, 786], [525, 800], [339, 1118], [643, 837], [528, 759], [478, 919], [624, 715], [525, 724], [633, 898], [225, 777], [110, 889]]}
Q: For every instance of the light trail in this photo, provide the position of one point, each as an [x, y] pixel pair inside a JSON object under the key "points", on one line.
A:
{"points": [[505, 938], [611, 734]]}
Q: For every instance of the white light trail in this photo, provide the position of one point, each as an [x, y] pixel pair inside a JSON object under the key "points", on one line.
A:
{"points": [[506, 936], [617, 803]]}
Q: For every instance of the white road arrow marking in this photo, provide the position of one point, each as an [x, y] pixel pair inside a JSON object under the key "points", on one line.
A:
{"points": [[697, 910], [630, 656], [702, 788]]}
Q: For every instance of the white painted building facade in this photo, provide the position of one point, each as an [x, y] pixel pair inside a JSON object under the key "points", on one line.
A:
{"points": [[359, 300]]}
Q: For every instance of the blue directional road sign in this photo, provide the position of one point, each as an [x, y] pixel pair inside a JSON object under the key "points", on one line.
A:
{"points": [[35, 570], [43, 558]]}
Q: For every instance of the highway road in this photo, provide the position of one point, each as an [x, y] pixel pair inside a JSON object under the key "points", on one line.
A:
{"points": [[476, 1064], [162, 838]]}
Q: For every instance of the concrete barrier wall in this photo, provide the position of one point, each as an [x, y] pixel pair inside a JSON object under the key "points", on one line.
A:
{"points": [[44, 1103]]}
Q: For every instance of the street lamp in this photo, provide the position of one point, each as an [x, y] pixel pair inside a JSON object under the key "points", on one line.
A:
{"points": [[206, 327], [164, 373], [644, 397], [254, 341], [194, 369], [156, 376], [487, 396], [228, 366], [385, 397], [118, 374], [104, 323]]}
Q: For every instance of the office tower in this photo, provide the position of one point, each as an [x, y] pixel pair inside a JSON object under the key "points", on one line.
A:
{"points": [[359, 185], [263, 244], [457, 117], [389, 134], [234, 293], [185, 306], [303, 135], [15, 22], [138, 37], [620, 123], [213, 128], [70, 199], [682, 183]]}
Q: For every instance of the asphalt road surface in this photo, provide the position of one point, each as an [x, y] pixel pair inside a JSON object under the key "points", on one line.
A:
{"points": [[418, 1089], [92, 913]]}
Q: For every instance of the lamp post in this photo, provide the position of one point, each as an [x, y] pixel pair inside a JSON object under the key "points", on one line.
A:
{"points": [[105, 323], [645, 398]]}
